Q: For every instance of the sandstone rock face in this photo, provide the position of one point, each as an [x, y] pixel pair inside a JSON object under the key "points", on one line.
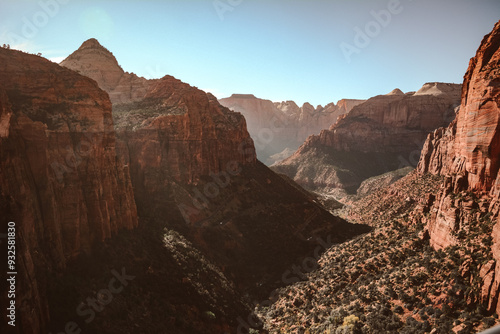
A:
{"points": [[179, 133], [60, 179], [383, 134], [468, 154], [276, 127], [96, 62]]}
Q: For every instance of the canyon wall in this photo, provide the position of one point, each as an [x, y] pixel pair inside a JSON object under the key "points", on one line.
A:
{"points": [[194, 168], [60, 180], [467, 154], [178, 133]]}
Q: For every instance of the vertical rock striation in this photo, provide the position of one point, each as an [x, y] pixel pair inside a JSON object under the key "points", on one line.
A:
{"points": [[178, 133], [467, 153], [60, 180]]}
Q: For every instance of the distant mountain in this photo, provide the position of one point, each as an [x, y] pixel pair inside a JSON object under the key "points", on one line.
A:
{"points": [[280, 127], [382, 134]]}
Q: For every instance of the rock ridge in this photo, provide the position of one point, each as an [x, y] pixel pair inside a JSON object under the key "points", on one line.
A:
{"points": [[386, 131]]}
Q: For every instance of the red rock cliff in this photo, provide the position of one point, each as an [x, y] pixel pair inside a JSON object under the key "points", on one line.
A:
{"points": [[178, 133], [60, 181], [383, 134], [467, 153]]}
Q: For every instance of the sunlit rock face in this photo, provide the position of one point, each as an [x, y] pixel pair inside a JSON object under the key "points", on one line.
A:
{"points": [[385, 133], [96, 62], [468, 154]]}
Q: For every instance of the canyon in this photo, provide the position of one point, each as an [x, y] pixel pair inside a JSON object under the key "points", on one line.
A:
{"points": [[430, 265], [162, 184], [154, 184]]}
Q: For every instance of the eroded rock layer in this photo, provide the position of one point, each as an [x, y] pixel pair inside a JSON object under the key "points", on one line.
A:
{"points": [[467, 153], [60, 180], [96, 62]]}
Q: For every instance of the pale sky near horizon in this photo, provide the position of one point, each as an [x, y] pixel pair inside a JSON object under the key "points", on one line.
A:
{"points": [[315, 51]]}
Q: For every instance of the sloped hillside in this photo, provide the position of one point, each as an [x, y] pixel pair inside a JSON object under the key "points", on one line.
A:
{"points": [[391, 280]]}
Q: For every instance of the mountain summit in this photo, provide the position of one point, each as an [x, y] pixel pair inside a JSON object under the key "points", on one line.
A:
{"points": [[92, 43], [96, 62]]}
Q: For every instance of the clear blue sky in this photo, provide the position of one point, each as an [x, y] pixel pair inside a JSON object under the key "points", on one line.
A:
{"points": [[275, 49]]}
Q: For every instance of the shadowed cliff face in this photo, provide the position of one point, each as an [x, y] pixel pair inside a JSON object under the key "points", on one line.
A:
{"points": [[467, 153], [72, 200], [193, 164], [385, 133], [60, 181]]}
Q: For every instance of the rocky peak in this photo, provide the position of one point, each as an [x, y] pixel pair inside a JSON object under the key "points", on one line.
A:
{"points": [[396, 91], [288, 107], [96, 62], [92, 43]]}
